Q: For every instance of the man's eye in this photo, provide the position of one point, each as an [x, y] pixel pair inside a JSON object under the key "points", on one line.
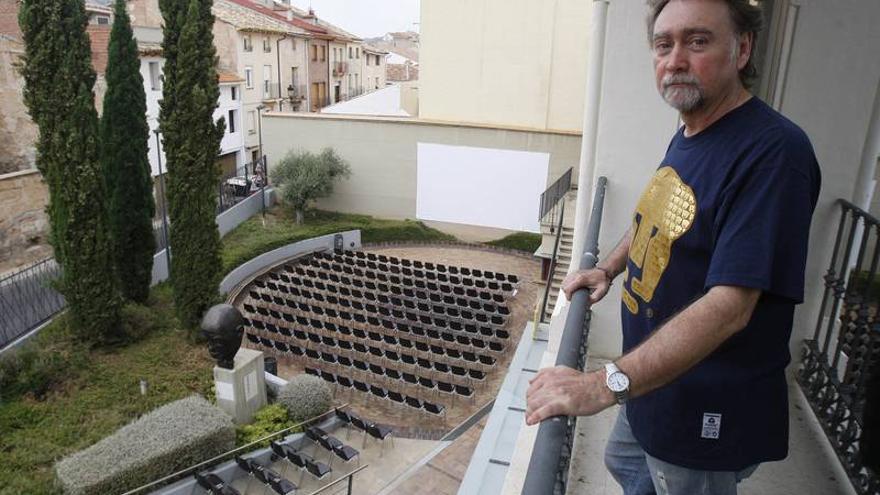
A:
{"points": [[699, 42], [662, 47]]}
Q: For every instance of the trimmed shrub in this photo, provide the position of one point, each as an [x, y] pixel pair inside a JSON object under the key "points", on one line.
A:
{"points": [[305, 397], [268, 420], [519, 241], [173, 437]]}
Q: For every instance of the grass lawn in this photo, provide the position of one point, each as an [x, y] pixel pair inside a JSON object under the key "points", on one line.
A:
{"points": [[84, 395], [520, 241]]}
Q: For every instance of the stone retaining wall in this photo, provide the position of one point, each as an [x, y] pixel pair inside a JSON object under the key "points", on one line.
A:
{"points": [[24, 226]]}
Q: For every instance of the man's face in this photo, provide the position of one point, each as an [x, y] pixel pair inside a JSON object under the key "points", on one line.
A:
{"points": [[697, 54]]}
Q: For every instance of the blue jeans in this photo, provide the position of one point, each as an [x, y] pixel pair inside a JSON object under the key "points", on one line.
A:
{"points": [[641, 474]]}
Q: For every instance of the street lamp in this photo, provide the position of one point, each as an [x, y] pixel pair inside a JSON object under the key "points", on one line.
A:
{"points": [[265, 172], [164, 205]]}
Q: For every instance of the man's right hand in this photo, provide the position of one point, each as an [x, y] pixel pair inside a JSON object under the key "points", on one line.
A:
{"points": [[592, 279]]}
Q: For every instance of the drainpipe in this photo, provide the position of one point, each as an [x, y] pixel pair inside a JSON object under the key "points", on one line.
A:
{"points": [[278, 54], [308, 72], [587, 164], [864, 191]]}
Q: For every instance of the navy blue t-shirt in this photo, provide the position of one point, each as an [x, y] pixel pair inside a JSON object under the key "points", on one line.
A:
{"points": [[729, 206]]}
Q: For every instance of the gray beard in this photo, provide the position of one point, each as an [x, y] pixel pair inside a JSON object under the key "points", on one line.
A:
{"points": [[684, 99]]}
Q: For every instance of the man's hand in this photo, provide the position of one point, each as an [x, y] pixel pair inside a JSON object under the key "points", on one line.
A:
{"points": [[592, 279], [562, 391]]}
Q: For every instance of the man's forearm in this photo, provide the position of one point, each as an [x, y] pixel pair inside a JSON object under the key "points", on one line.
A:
{"points": [[688, 338], [615, 262]]}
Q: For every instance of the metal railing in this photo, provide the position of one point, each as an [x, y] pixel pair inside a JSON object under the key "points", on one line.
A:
{"points": [[551, 197], [235, 187], [553, 264], [339, 68], [845, 346], [272, 91], [27, 299], [226, 456], [548, 467]]}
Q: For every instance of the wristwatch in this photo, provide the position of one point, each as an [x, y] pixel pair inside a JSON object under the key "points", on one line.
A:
{"points": [[617, 382]]}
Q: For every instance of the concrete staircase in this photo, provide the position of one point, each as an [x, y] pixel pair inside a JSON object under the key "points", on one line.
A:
{"points": [[563, 260]]}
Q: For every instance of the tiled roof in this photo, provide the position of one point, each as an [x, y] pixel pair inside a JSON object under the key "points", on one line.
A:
{"points": [[227, 77], [149, 40], [246, 15], [335, 30]]}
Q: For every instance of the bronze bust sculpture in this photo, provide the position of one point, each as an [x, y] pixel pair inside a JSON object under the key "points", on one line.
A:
{"points": [[223, 326]]}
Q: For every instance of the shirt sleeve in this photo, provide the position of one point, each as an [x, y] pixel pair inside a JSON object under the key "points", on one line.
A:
{"points": [[762, 226]]}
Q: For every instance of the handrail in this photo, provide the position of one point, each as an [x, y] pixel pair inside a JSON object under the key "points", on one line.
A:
{"points": [[554, 193], [552, 268], [547, 468], [183, 473], [348, 477]]}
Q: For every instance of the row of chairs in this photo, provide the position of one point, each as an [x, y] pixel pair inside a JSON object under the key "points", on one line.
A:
{"points": [[439, 267], [370, 429], [263, 474], [402, 298], [390, 357], [382, 351], [420, 338], [409, 336], [394, 396], [434, 327], [353, 265], [215, 485], [370, 278], [335, 447]]}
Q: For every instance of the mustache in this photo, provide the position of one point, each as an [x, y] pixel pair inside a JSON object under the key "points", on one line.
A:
{"points": [[679, 79]]}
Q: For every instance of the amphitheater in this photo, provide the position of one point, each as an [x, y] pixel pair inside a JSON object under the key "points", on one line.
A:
{"points": [[414, 341]]}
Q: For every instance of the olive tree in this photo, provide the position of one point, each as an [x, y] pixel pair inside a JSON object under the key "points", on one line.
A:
{"points": [[303, 176]]}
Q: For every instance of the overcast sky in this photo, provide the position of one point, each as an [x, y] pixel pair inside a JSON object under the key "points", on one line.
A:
{"points": [[367, 18]]}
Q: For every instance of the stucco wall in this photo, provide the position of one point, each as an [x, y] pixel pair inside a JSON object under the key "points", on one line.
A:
{"points": [[382, 154], [24, 227], [508, 62]]}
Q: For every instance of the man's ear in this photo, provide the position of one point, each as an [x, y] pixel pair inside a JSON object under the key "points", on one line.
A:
{"points": [[745, 43]]}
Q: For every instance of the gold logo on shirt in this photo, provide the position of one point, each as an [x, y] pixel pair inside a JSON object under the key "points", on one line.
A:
{"points": [[665, 212]]}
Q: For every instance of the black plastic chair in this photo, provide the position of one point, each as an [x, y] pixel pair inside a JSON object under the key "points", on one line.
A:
{"points": [[215, 485], [380, 432]]}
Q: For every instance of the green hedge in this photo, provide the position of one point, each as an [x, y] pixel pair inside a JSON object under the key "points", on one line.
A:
{"points": [[171, 438], [520, 241]]}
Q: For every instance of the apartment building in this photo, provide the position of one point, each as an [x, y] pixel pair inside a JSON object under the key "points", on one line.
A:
{"points": [[373, 68]]}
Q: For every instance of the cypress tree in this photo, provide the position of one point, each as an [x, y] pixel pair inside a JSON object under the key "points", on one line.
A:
{"points": [[192, 144], [124, 135], [58, 92]]}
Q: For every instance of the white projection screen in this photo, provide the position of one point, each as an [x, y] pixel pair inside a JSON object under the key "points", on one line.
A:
{"points": [[480, 186]]}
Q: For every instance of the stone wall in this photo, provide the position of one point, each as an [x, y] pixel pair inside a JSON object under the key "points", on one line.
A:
{"points": [[24, 226], [17, 132]]}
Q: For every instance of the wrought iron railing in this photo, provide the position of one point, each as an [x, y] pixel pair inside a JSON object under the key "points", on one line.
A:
{"points": [[551, 198], [553, 264], [845, 346], [548, 467], [235, 187], [27, 299]]}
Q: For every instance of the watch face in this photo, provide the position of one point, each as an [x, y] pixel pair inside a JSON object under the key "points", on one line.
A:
{"points": [[618, 382]]}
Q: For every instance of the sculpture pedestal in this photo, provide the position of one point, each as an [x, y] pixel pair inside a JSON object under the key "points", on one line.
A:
{"points": [[241, 391]]}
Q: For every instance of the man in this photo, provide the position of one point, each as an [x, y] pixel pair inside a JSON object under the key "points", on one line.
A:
{"points": [[712, 266]]}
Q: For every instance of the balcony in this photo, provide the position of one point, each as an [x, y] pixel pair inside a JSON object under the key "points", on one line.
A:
{"points": [[270, 91], [340, 68]]}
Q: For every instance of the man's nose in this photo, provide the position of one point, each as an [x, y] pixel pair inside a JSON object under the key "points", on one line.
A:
{"points": [[677, 59]]}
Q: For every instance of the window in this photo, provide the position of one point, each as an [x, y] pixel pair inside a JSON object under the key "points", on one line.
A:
{"points": [[267, 45], [323, 53], [357, 52], [377, 83], [368, 59], [252, 117], [248, 77], [350, 53], [248, 43], [378, 60], [314, 49], [231, 121], [293, 44], [267, 77], [155, 81], [102, 20], [233, 93], [294, 77]]}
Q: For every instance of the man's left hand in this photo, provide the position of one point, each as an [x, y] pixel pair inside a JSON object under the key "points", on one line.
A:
{"points": [[562, 391]]}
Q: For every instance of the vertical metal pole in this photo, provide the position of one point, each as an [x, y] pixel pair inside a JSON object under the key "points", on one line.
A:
{"points": [[164, 205], [262, 161], [350, 484]]}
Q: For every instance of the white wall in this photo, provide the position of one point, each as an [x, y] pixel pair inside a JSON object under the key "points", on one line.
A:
{"points": [[232, 142], [384, 102], [506, 62], [153, 97]]}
